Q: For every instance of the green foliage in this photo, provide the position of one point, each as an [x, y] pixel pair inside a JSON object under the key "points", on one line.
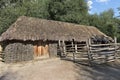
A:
{"points": [[63, 10], [106, 22], [74, 11], [12, 9], [68, 10]]}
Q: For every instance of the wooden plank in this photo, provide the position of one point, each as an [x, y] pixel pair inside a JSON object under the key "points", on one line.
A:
{"points": [[118, 50], [102, 49], [98, 58], [105, 52], [111, 60], [82, 58], [96, 45]]}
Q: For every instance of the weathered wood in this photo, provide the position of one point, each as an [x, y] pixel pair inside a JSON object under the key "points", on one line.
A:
{"points": [[88, 53], [102, 49], [74, 56], [72, 44], [64, 48], [82, 58], [101, 53], [97, 45], [105, 52], [59, 49], [111, 60], [115, 40], [76, 48], [59, 43], [73, 51]]}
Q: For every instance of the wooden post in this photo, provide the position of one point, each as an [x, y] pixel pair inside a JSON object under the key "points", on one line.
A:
{"points": [[59, 43], [64, 48], [72, 43], [115, 42], [115, 39], [89, 42], [73, 50], [88, 52], [76, 48], [60, 48]]}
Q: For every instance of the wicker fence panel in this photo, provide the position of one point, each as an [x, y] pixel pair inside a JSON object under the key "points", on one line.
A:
{"points": [[18, 52]]}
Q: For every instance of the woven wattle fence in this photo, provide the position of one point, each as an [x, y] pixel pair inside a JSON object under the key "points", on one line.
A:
{"points": [[18, 52]]}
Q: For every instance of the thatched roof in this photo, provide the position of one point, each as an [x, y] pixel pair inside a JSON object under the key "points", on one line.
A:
{"points": [[28, 28]]}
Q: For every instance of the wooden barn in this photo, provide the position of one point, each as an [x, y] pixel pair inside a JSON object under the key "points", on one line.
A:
{"points": [[29, 38]]}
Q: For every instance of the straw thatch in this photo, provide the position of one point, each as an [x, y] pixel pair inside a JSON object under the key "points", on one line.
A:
{"points": [[28, 28]]}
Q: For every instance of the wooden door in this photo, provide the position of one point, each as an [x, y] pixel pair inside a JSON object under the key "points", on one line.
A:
{"points": [[41, 50]]}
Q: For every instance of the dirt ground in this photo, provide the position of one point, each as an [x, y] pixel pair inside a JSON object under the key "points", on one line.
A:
{"points": [[56, 69]]}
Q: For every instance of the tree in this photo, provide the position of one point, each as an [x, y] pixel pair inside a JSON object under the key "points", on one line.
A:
{"points": [[108, 22], [105, 21], [118, 11], [74, 11], [12, 9], [68, 10]]}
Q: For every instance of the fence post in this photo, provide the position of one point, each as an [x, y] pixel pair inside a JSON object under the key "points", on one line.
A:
{"points": [[76, 48], [115, 44], [73, 50], [64, 48], [88, 52], [60, 48]]}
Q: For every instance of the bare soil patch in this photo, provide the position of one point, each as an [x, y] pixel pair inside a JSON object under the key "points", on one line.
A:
{"points": [[56, 69]]}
